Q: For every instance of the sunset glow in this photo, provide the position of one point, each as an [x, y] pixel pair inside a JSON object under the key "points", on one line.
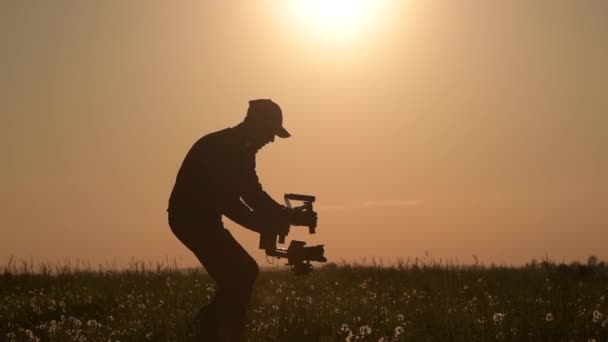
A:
{"points": [[422, 127], [334, 18]]}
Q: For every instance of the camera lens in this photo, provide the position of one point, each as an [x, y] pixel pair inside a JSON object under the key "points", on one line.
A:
{"points": [[314, 253]]}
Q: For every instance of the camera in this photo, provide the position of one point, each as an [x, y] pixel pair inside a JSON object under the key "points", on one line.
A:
{"points": [[298, 255]]}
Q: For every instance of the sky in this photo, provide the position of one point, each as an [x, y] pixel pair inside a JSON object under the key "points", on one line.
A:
{"points": [[430, 129]]}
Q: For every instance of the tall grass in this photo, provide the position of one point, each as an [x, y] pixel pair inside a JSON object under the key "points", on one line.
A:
{"points": [[414, 300]]}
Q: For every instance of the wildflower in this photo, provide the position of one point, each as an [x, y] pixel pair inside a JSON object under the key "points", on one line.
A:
{"points": [[400, 317], [549, 317], [149, 335], [365, 330], [398, 331], [498, 317], [29, 334], [597, 316], [275, 307], [344, 327], [93, 323], [53, 327]]}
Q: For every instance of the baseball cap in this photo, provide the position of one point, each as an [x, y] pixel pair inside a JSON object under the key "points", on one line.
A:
{"points": [[266, 113]]}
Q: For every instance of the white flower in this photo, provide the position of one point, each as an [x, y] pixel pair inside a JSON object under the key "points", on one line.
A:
{"points": [[93, 323], [597, 316], [400, 317], [549, 317], [498, 317], [365, 330], [29, 334], [398, 331]]}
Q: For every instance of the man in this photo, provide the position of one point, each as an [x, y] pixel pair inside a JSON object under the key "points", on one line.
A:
{"points": [[218, 177]]}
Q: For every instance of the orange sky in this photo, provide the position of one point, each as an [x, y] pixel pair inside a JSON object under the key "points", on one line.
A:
{"points": [[458, 129]]}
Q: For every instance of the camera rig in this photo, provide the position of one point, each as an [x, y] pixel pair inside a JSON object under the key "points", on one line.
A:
{"points": [[298, 255]]}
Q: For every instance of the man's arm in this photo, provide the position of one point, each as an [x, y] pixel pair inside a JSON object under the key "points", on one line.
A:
{"points": [[255, 196], [241, 214]]}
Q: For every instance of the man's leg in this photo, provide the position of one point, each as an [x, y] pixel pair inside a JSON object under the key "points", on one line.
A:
{"points": [[233, 269], [235, 286], [235, 272]]}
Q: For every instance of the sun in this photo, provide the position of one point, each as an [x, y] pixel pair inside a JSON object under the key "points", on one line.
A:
{"points": [[334, 18]]}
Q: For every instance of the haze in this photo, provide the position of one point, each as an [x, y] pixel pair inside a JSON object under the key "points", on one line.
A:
{"points": [[457, 129]]}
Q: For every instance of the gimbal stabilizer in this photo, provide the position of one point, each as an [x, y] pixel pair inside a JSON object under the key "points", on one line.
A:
{"points": [[298, 256]]}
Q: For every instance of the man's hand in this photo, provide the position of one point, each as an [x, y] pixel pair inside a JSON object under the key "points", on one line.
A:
{"points": [[299, 217], [278, 224]]}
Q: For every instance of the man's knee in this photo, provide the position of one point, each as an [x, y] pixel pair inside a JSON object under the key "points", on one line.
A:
{"points": [[247, 275]]}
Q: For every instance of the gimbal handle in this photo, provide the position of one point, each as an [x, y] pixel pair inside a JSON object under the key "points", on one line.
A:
{"points": [[307, 206], [268, 242]]}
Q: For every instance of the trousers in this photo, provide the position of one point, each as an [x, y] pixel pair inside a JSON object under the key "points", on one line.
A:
{"points": [[229, 265]]}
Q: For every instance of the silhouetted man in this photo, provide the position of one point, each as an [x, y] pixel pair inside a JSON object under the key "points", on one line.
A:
{"points": [[217, 178]]}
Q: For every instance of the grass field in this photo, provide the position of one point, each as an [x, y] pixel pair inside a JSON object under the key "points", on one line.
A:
{"points": [[411, 302]]}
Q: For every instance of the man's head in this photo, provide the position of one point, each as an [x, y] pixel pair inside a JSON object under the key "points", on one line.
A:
{"points": [[264, 120]]}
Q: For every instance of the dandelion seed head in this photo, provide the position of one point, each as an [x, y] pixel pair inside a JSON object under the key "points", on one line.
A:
{"points": [[398, 330], [597, 316], [30, 334], [365, 330], [498, 317]]}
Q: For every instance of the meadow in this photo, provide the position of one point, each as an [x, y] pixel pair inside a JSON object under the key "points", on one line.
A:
{"points": [[411, 301]]}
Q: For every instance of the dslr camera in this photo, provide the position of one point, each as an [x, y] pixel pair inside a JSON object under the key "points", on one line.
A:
{"points": [[298, 255]]}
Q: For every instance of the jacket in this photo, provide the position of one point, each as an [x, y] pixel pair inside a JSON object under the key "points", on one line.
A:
{"points": [[218, 177]]}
